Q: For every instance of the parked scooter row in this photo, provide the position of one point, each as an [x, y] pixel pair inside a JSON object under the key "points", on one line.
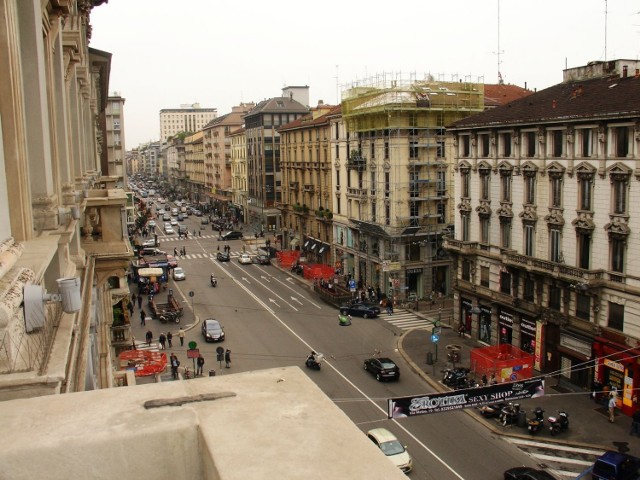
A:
{"points": [[511, 414]]}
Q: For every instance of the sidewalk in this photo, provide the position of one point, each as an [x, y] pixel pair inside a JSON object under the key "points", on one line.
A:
{"points": [[588, 421]]}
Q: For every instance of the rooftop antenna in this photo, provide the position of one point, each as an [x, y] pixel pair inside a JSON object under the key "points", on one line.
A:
{"points": [[500, 79]]}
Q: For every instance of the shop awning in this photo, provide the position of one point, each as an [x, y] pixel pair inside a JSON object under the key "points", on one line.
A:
{"points": [[149, 272]]}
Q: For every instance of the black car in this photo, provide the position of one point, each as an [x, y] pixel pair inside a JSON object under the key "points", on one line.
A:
{"points": [[212, 331], [232, 235], [382, 368], [364, 310], [222, 257], [263, 260], [527, 473]]}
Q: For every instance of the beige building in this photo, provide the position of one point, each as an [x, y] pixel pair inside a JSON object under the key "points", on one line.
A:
{"points": [[186, 119], [114, 126], [546, 232], [194, 167], [392, 181], [217, 155], [307, 201]]}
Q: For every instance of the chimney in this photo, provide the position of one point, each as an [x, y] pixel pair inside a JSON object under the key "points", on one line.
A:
{"points": [[320, 102], [624, 71]]}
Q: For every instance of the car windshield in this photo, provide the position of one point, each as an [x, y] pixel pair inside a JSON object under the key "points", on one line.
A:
{"points": [[387, 364], [178, 271], [394, 447], [213, 328]]}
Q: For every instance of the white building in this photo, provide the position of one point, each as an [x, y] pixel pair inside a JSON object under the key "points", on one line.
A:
{"points": [[187, 118]]}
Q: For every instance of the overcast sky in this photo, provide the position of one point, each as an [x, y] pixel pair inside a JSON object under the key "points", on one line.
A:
{"points": [[222, 52]]}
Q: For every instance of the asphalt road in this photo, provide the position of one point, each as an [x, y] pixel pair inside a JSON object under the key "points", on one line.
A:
{"points": [[271, 321]]}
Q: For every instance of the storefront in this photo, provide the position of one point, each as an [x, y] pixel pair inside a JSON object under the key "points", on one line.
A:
{"points": [[616, 366], [465, 313], [575, 353], [527, 334], [413, 276], [505, 326]]}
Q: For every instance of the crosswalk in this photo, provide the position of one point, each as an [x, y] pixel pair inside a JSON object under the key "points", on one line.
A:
{"points": [[174, 238], [205, 255], [405, 320]]}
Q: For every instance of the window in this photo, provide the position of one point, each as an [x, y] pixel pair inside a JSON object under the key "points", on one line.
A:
{"points": [[555, 245], [557, 139], [584, 250], [414, 210], [413, 149], [505, 187], [506, 144], [337, 151], [466, 270], [616, 316], [484, 145], [505, 282], [586, 142], [386, 149], [529, 240], [387, 184], [466, 226], [531, 144], [619, 193], [505, 233], [387, 214], [373, 211], [465, 179], [373, 183], [585, 188], [622, 141], [441, 211], [373, 150], [530, 187], [466, 146], [484, 276], [484, 183], [555, 293], [484, 230], [617, 246], [583, 306], [555, 181], [529, 289], [441, 186]]}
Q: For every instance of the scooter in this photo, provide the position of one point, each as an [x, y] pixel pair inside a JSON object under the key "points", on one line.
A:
{"points": [[456, 377], [314, 361], [492, 410], [534, 424], [214, 281], [509, 414], [558, 424]]}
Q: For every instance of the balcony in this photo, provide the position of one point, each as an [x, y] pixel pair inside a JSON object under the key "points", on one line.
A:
{"points": [[309, 187], [356, 161], [295, 186], [357, 192], [462, 247]]}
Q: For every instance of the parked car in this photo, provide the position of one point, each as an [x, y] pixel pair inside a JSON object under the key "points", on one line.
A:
{"points": [[245, 259], [178, 274], [212, 330], [392, 448], [382, 368], [232, 235], [364, 310], [527, 473], [263, 260], [222, 257]]}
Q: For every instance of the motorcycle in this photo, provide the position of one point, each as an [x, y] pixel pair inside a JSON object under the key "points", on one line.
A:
{"points": [[534, 424], [509, 414], [456, 378], [214, 281], [314, 361], [169, 317], [558, 424], [492, 410]]}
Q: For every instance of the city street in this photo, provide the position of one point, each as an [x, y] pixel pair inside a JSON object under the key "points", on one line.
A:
{"points": [[271, 320]]}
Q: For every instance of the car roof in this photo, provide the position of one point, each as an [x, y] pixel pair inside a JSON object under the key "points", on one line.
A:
{"points": [[382, 435]]}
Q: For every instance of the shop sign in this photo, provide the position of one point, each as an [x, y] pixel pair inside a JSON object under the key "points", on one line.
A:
{"points": [[395, 266], [528, 326], [485, 311], [505, 319], [413, 271], [466, 304], [572, 343], [613, 365], [537, 363]]}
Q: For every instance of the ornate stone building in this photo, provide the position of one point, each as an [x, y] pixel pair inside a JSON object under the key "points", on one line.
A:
{"points": [[546, 233]]}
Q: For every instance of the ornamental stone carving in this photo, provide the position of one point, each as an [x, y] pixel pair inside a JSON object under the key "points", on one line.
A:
{"points": [[484, 210], [555, 217], [584, 221], [618, 228], [465, 205], [529, 214], [505, 210]]}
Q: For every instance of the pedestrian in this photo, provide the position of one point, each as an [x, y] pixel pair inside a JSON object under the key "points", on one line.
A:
{"points": [[133, 299], [218, 247], [484, 379], [200, 364], [169, 338], [493, 380], [139, 301], [461, 330], [149, 337], [181, 336], [612, 407], [227, 358], [143, 317], [175, 363], [175, 252], [635, 423], [163, 340], [130, 307], [184, 251]]}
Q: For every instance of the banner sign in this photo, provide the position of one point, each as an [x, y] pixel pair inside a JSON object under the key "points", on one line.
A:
{"points": [[467, 398]]}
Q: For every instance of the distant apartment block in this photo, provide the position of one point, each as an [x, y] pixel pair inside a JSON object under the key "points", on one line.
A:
{"points": [[187, 118]]}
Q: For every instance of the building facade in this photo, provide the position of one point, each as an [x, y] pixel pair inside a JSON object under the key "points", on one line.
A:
{"points": [[263, 156], [194, 168], [392, 182], [115, 144], [187, 119], [545, 230], [239, 181]]}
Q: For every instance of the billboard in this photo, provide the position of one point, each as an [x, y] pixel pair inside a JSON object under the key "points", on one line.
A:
{"points": [[471, 397]]}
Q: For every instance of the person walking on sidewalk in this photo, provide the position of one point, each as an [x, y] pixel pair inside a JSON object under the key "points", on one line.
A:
{"points": [[149, 337], [163, 340], [133, 299], [181, 336], [175, 363], [139, 301], [143, 316], [169, 338], [200, 365], [227, 358], [612, 407]]}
